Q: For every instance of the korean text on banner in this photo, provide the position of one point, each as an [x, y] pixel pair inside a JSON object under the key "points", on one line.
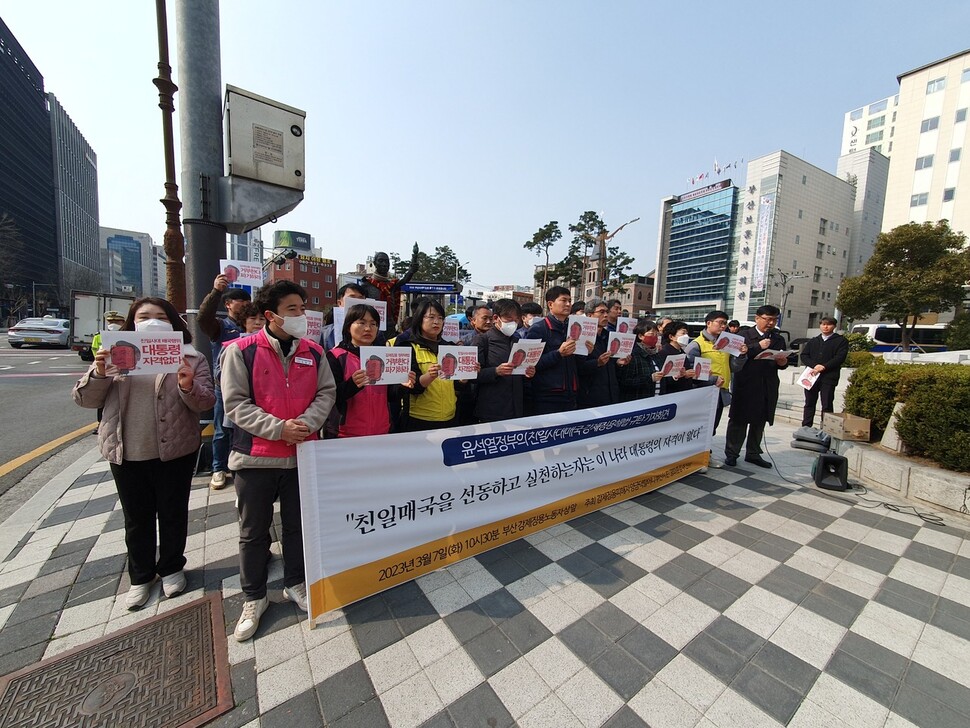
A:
{"points": [[136, 352], [242, 272], [340, 313], [314, 327], [454, 493]]}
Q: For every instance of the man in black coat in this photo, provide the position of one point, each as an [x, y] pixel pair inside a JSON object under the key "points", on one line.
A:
{"points": [[755, 390], [825, 354], [500, 393]]}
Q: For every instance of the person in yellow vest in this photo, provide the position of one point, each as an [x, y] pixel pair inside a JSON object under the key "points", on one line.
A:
{"points": [[721, 362], [113, 321]]}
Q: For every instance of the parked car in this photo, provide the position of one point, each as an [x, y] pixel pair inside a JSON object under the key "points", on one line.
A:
{"points": [[47, 331]]}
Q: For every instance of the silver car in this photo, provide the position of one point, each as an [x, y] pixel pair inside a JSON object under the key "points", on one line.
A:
{"points": [[45, 331]]}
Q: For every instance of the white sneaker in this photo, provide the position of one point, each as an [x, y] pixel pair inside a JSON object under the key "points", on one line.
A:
{"points": [[249, 619], [173, 584], [703, 469], [297, 595], [137, 596], [219, 480], [715, 463]]}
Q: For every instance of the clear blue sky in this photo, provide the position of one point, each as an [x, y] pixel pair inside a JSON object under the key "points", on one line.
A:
{"points": [[472, 124]]}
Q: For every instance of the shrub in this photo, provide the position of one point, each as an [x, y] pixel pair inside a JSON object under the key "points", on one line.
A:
{"points": [[872, 393], [857, 359], [958, 333], [860, 342], [936, 419]]}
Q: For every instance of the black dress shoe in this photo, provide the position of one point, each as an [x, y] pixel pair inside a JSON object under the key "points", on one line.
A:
{"points": [[731, 461], [757, 460]]}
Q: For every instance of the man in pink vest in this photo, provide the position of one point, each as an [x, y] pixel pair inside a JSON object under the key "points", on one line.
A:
{"points": [[278, 391]]}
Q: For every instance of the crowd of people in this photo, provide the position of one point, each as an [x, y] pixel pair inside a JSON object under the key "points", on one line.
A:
{"points": [[272, 388]]}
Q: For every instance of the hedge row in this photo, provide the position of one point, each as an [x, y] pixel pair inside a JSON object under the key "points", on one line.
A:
{"points": [[935, 422]]}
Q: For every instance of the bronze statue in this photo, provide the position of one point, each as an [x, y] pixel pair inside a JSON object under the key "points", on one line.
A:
{"points": [[382, 287]]}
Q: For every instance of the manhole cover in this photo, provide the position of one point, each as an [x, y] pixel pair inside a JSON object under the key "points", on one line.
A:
{"points": [[170, 670]]}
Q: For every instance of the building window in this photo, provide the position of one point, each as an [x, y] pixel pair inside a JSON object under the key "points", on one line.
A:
{"points": [[329, 279], [329, 294], [876, 123], [794, 264], [876, 136], [815, 298], [316, 269], [822, 225], [937, 84], [920, 199], [316, 299], [819, 250], [799, 214], [856, 115], [961, 115], [303, 283], [878, 106], [804, 178], [924, 162], [798, 240], [955, 155], [949, 193], [302, 267], [316, 284], [929, 124], [818, 274], [965, 76]]}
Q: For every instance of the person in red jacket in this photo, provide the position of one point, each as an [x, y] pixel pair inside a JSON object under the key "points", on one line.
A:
{"points": [[278, 391], [363, 408]]}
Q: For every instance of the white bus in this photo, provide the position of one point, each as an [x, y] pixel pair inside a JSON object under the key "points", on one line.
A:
{"points": [[889, 337]]}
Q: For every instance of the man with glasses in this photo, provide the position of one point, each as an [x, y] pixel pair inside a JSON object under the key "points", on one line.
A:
{"points": [[755, 390]]}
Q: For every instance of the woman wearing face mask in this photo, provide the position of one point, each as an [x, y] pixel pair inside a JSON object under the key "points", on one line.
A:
{"points": [[150, 437], [361, 409], [676, 339], [639, 378], [500, 393], [432, 402]]}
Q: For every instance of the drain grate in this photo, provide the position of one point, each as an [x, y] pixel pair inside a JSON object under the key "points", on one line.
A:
{"points": [[170, 670]]}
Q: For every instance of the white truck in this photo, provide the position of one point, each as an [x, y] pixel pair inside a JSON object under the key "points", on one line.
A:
{"points": [[87, 317]]}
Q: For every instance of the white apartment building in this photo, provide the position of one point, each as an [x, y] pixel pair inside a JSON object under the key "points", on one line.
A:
{"points": [[868, 171], [793, 242], [870, 127], [930, 143]]}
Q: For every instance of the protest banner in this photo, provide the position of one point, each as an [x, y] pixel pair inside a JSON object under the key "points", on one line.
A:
{"points": [[134, 352], [453, 493], [458, 362], [807, 378], [386, 364], [731, 343], [625, 324], [673, 366], [451, 331], [314, 327], [702, 369], [242, 272], [620, 345], [525, 353], [340, 313], [581, 329]]}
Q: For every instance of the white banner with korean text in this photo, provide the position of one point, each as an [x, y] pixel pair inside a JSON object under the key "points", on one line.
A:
{"points": [[380, 511]]}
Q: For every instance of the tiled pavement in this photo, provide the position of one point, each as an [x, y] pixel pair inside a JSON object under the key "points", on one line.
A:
{"points": [[728, 599]]}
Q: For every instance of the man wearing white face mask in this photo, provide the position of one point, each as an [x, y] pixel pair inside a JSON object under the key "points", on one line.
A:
{"points": [[278, 392], [500, 393]]}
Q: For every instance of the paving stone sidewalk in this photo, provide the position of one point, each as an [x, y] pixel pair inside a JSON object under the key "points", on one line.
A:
{"points": [[734, 598]]}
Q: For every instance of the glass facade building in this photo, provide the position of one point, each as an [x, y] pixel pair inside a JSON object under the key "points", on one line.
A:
{"points": [[26, 184], [693, 257]]}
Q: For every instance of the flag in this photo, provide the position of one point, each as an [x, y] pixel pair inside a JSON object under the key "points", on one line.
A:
{"points": [[717, 168]]}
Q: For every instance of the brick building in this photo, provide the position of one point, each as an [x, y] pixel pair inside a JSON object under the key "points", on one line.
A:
{"points": [[317, 275]]}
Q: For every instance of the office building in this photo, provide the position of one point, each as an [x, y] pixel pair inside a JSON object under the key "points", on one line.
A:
{"points": [[28, 259], [868, 171], [128, 262], [795, 233], [929, 139], [76, 196], [248, 246], [870, 127], [317, 275], [695, 251]]}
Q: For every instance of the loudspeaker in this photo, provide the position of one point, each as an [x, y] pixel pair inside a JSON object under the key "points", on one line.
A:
{"points": [[831, 472]]}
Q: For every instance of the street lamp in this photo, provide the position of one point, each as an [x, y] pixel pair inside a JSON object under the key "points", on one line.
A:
{"points": [[457, 282]]}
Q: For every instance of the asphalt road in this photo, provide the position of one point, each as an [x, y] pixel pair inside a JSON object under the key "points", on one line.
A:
{"points": [[36, 406]]}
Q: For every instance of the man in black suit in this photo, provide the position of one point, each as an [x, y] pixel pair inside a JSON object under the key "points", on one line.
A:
{"points": [[825, 354], [755, 390]]}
